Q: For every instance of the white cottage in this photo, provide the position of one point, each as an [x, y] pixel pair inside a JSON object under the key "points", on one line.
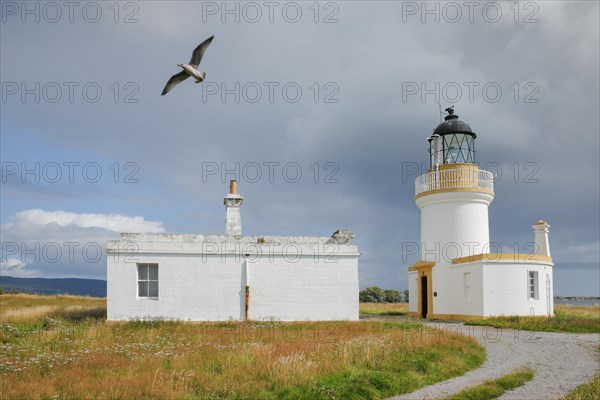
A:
{"points": [[231, 276], [461, 274]]}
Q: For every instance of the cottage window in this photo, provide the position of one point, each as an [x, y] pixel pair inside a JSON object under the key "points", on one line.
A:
{"points": [[532, 285], [148, 281]]}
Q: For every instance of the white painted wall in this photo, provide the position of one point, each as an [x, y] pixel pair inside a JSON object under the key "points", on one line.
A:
{"points": [[467, 301], [189, 289], [304, 290], [203, 278], [505, 289], [454, 224]]}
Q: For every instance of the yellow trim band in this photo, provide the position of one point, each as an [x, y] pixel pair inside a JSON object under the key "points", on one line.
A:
{"points": [[419, 265], [498, 257], [449, 190]]}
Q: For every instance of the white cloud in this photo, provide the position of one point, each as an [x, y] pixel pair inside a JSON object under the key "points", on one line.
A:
{"points": [[112, 222], [15, 267], [63, 244], [11, 264]]}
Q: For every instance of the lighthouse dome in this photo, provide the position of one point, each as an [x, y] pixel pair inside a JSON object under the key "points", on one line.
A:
{"points": [[452, 125]]}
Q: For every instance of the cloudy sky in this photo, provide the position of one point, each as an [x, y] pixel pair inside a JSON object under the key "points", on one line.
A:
{"points": [[320, 110]]}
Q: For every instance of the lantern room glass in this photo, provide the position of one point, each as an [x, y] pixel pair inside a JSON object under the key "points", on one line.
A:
{"points": [[459, 148]]}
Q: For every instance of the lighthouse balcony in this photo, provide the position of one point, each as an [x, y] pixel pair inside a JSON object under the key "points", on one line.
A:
{"points": [[454, 178]]}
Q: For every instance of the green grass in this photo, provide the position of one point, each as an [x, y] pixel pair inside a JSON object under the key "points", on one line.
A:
{"points": [[495, 388], [587, 391], [402, 373], [574, 319]]}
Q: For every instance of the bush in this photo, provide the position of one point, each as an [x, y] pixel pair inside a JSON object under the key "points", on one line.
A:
{"points": [[375, 294], [393, 296], [372, 294]]}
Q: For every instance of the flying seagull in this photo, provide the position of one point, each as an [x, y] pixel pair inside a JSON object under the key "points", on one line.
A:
{"points": [[190, 69]]}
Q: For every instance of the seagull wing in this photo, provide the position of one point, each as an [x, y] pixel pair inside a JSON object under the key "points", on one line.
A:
{"points": [[175, 79], [199, 52]]}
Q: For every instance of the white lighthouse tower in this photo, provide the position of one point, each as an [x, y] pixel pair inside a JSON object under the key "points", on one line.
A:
{"points": [[458, 276]]}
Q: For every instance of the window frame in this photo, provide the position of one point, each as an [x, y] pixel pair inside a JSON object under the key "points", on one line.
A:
{"points": [[146, 281], [533, 286]]}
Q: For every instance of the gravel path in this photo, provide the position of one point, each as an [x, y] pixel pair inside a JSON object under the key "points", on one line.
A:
{"points": [[561, 361]]}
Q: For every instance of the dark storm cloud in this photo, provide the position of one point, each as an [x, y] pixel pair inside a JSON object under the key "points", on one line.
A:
{"points": [[374, 134]]}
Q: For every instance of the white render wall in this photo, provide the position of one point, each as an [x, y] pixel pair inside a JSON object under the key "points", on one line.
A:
{"points": [[304, 290], [467, 301], [454, 224], [188, 289], [498, 288], [505, 286], [204, 278]]}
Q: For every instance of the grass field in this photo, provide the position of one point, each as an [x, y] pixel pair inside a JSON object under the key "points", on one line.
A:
{"points": [[16, 308], [576, 319], [384, 308], [62, 347]]}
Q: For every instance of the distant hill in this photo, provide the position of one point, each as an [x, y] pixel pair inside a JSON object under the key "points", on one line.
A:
{"points": [[75, 286]]}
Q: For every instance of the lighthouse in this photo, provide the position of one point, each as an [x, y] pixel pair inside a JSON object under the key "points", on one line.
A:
{"points": [[454, 195], [461, 274]]}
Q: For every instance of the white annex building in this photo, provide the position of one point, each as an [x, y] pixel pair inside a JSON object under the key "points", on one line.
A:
{"points": [[231, 276], [458, 276]]}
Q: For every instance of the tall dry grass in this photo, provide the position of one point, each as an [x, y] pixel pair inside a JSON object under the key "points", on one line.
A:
{"points": [[92, 358], [19, 308], [591, 312], [575, 319]]}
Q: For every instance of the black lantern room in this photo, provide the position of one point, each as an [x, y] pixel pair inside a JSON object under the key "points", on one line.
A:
{"points": [[452, 142]]}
